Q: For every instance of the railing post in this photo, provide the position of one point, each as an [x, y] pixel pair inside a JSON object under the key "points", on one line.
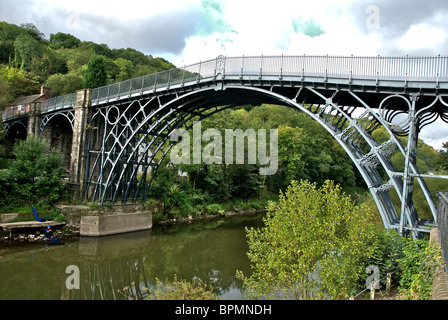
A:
{"points": [[155, 81], [388, 283], [183, 77], [199, 72], [143, 84], [169, 79], [281, 69]]}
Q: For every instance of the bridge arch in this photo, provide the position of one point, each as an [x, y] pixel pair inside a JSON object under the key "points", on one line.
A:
{"points": [[141, 128], [17, 129], [57, 130]]}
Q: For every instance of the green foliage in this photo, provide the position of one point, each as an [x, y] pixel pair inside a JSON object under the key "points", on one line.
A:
{"points": [[15, 83], [65, 83], [26, 48], [386, 250], [34, 176], [96, 74], [40, 61], [442, 160], [63, 41], [418, 264], [182, 290], [311, 245]]}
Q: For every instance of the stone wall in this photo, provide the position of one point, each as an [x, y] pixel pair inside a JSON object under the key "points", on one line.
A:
{"points": [[440, 280]]}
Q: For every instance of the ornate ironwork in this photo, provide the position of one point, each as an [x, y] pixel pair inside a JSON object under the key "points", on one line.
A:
{"points": [[349, 96]]}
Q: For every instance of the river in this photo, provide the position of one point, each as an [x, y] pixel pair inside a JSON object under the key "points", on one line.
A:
{"points": [[212, 251]]}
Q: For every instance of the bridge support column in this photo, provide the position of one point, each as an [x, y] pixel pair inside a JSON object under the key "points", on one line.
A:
{"points": [[34, 119], [82, 110], [409, 216]]}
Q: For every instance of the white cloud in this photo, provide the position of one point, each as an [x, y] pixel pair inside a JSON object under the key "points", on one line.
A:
{"points": [[421, 37], [189, 31]]}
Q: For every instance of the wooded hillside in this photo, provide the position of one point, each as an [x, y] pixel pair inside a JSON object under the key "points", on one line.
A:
{"points": [[28, 59]]}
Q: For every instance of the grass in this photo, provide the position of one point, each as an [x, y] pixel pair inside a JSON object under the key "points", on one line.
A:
{"points": [[43, 211]]}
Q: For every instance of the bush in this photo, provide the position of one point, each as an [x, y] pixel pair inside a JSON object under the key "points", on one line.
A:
{"points": [[34, 176], [311, 232], [215, 209], [182, 290], [418, 265]]}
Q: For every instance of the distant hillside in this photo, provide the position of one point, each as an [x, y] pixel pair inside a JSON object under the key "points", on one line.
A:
{"points": [[28, 60]]}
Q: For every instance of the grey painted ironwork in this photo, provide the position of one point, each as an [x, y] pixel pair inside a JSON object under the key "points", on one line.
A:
{"points": [[21, 122], [46, 118], [349, 96]]}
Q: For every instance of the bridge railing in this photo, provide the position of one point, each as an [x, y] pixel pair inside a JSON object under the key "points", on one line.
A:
{"points": [[59, 102], [15, 112], [427, 69]]}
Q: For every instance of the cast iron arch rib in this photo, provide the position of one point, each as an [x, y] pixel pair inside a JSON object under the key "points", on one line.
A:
{"points": [[349, 131]]}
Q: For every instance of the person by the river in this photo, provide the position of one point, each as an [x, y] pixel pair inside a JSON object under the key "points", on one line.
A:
{"points": [[48, 233], [49, 236]]}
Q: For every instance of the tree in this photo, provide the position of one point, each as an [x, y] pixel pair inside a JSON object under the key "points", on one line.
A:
{"points": [[65, 83], [26, 48], [35, 174], [63, 40], [8, 34], [96, 74], [32, 30], [18, 83], [125, 69], [442, 159], [311, 246]]}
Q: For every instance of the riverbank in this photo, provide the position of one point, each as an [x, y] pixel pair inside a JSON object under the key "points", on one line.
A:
{"points": [[71, 215]]}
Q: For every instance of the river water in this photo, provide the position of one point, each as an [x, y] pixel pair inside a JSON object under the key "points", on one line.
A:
{"points": [[212, 251]]}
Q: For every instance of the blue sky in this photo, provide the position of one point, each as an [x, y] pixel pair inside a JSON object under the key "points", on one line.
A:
{"points": [[189, 31]]}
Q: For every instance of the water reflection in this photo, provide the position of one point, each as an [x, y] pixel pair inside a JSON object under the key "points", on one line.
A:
{"points": [[210, 251]]}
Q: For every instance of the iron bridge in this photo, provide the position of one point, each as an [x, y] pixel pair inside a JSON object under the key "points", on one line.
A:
{"points": [[127, 124]]}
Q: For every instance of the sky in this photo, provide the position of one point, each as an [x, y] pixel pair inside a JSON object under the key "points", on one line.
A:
{"points": [[188, 31]]}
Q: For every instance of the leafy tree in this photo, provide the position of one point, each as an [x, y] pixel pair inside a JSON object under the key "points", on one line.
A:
{"points": [[18, 82], [32, 30], [65, 83], [8, 34], [125, 69], [26, 48], [98, 49], [63, 40], [137, 57], [96, 74], [311, 245], [442, 160], [35, 174]]}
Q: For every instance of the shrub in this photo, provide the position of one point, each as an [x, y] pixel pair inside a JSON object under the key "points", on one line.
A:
{"points": [[34, 176], [182, 290]]}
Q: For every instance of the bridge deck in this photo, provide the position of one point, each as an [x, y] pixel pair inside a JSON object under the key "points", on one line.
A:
{"points": [[379, 74]]}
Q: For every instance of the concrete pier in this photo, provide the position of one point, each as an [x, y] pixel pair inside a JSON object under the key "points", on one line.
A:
{"points": [[97, 226]]}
